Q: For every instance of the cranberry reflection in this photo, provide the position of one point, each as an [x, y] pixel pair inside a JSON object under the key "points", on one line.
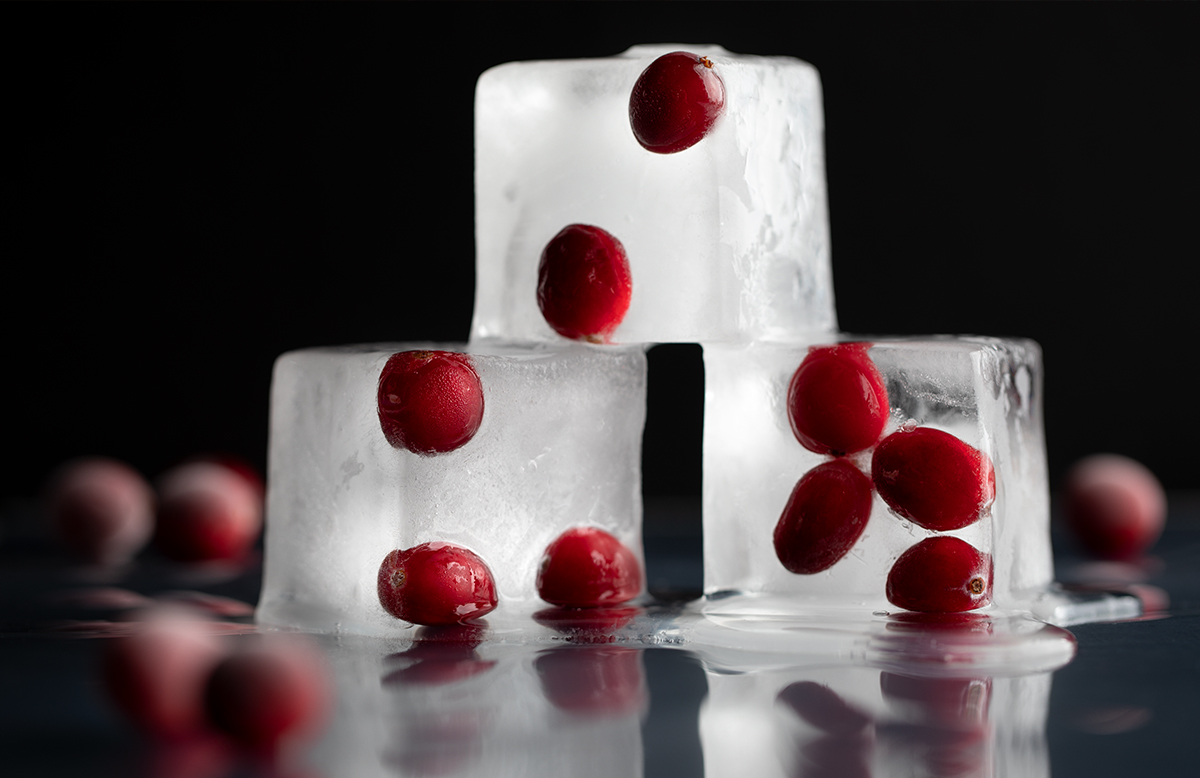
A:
{"points": [[593, 680]]}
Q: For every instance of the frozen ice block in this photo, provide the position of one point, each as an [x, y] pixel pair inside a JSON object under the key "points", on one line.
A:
{"points": [[727, 240], [558, 446], [984, 394]]}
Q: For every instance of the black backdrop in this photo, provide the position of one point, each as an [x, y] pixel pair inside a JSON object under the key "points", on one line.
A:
{"points": [[192, 190]]}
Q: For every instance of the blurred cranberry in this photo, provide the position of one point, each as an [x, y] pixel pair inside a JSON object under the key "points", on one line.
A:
{"points": [[207, 512], [156, 672], [101, 509], [1114, 505], [272, 692]]}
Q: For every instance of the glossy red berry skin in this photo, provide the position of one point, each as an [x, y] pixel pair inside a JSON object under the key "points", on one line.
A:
{"points": [[1115, 507], [586, 567], [823, 518], [837, 401], [675, 102], [270, 693], [941, 574], [436, 583], [933, 479], [429, 402], [584, 283]]}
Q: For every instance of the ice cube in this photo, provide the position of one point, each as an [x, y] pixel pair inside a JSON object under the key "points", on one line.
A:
{"points": [[558, 447], [727, 240], [984, 392]]}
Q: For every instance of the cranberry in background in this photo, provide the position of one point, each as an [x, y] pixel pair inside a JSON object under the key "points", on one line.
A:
{"points": [[1114, 506], [207, 511], [101, 509]]}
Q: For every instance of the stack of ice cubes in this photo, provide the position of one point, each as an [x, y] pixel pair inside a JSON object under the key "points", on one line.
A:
{"points": [[728, 246]]}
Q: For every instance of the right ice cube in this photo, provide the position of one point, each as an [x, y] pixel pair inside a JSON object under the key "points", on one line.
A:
{"points": [[875, 474]]}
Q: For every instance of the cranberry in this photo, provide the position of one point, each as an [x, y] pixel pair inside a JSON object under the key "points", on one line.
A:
{"points": [[156, 674], [593, 680], [271, 692], [430, 402], [206, 512], [823, 708], [942, 574], [585, 567], [824, 517], [102, 510], [584, 283], [837, 402], [1114, 505], [436, 583], [932, 478], [675, 102]]}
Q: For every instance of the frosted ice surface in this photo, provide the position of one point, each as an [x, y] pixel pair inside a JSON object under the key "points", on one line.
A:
{"points": [[985, 391], [727, 240], [559, 446]]}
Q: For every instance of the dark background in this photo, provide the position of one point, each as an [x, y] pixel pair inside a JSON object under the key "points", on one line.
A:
{"points": [[192, 190]]}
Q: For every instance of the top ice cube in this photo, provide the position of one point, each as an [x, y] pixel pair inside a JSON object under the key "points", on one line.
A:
{"points": [[727, 240]]}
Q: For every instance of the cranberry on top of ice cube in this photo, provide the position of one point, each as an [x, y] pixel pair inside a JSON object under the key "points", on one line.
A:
{"points": [[675, 102], [429, 402], [837, 401]]}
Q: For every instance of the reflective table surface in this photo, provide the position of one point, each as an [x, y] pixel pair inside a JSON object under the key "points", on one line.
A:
{"points": [[646, 690]]}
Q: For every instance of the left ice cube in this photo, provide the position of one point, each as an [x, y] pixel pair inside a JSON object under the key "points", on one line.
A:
{"points": [[558, 446]]}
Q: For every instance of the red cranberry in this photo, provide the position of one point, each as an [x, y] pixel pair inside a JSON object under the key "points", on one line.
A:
{"points": [[584, 283], [156, 674], [430, 402], [1114, 505], [206, 512], [436, 583], [837, 401], [675, 102], [272, 692], [585, 567], [941, 574], [102, 510], [933, 479], [824, 517]]}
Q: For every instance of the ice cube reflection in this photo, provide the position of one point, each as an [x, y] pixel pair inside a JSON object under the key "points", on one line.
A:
{"points": [[592, 701]]}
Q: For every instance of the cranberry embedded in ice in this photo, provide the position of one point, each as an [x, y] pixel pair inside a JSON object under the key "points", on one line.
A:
{"points": [[436, 583], [837, 401], [1114, 505], [932, 478], [430, 402], [942, 574], [585, 567], [584, 283], [675, 102], [824, 517], [276, 690]]}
